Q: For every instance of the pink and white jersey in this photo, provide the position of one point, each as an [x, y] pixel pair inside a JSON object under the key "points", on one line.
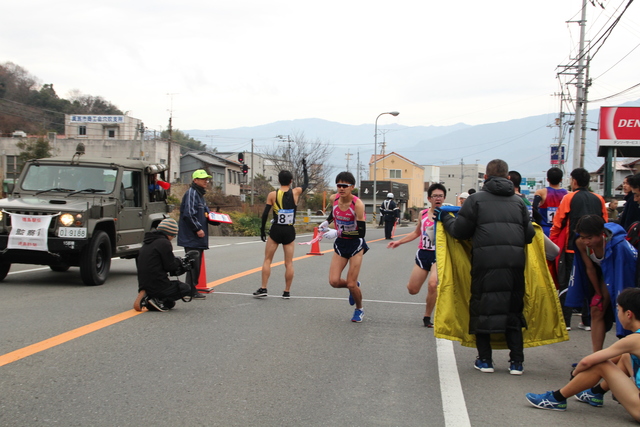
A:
{"points": [[345, 220], [427, 242]]}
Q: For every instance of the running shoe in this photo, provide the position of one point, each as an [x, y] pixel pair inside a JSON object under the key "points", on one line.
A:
{"points": [[427, 322], [155, 304], [169, 304], [516, 368], [351, 300], [593, 399], [198, 295], [285, 295], [546, 401], [358, 314], [583, 326], [483, 366], [260, 293]]}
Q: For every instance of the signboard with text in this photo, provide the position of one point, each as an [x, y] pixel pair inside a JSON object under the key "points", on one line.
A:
{"points": [[557, 155], [619, 128]]}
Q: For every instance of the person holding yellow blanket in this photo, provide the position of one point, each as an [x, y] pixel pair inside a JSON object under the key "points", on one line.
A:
{"points": [[492, 285]]}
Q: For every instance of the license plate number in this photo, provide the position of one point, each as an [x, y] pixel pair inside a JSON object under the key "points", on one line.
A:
{"points": [[79, 233]]}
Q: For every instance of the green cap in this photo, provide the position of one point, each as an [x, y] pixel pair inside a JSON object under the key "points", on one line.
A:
{"points": [[200, 174]]}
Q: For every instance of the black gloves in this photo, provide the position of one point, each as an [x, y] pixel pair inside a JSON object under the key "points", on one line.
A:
{"points": [[437, 213], [263, 234]]}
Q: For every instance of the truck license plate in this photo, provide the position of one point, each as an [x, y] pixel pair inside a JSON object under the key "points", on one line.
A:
{"points": [[79, 233]]}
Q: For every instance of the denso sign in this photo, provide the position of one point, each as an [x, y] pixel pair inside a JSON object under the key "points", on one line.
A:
{"points": [[619, 126]]}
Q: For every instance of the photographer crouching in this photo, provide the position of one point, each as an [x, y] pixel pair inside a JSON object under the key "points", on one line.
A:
{"points": [[155, 260]]}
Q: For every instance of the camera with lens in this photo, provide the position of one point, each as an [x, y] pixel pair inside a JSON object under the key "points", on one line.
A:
{"points": [[187, 262]]}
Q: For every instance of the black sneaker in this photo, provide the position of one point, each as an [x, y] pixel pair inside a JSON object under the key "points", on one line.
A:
{"points": [[285, 295], [169, 304], [198, 296], [154, 304], [260, 293], [427, 322]]}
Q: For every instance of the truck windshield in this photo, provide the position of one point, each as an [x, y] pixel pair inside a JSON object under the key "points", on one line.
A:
{"points": [[65, 178]]}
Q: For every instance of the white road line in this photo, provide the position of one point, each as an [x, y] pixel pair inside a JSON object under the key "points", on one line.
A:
{"points": [[454, 407], [324, 298]]}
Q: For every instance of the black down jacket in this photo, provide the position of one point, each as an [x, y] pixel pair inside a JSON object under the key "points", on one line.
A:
{"points": [[497, 222]]}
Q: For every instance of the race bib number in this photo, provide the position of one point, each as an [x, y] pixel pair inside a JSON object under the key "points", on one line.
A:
{"points": [[551, 212], [285, 217], [346, 226]]}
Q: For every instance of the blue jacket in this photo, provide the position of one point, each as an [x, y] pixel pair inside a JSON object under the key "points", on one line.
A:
{"points": [[193, 217], [618, 272]]}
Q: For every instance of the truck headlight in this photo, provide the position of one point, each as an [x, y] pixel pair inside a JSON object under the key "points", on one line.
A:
{"points": [[1, 216], [66, 219]]}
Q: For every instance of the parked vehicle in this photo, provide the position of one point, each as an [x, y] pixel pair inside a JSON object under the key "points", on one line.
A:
{"points": [[79, 211]]}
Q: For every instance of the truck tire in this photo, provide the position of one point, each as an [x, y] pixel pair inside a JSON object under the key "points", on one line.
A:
{"points": [[4, 269], [95, 260]]}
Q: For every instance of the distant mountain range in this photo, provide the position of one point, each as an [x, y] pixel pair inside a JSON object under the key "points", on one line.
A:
{"points": [[523, 143]]}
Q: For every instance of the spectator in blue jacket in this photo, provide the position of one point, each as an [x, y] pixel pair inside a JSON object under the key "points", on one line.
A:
{"points": [[193, 233]]}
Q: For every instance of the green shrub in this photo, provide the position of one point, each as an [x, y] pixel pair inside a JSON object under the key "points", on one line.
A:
{"points": [[245, 224]]}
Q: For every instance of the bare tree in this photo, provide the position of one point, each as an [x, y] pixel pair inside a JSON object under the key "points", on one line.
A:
{"points": [[287, 154]]}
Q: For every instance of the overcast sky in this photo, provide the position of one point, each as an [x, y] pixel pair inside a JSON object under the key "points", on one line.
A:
{"points": [[249, 62]]}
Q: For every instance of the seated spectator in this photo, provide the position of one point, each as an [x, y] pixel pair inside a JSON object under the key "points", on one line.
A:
{"points": [[600, 371]]}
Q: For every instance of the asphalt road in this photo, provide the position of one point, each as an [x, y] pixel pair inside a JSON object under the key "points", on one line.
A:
{"points": [[72, 355]]}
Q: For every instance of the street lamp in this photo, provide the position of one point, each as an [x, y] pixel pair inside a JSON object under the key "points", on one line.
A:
{"points": [[375, 160]]}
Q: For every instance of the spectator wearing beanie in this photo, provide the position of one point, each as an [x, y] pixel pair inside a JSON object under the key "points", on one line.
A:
{"points": [[155, 260]]}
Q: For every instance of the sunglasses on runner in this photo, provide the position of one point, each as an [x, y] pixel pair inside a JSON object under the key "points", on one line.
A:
{"points": [[343, 185]]}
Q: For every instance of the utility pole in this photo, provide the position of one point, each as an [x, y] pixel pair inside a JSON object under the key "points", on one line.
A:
{"points": [[581, 102], [461, 176], [358, 168], [252, 167], [170, 138], [348, 157], [169, 146]]}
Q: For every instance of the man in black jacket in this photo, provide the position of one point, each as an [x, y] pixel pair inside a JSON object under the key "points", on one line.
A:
{"points": [[390, 214], [497, 222], [155, 260]]}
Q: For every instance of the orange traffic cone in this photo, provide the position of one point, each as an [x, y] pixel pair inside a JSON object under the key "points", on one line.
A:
{"points": [[201, 287], [315, 246]]}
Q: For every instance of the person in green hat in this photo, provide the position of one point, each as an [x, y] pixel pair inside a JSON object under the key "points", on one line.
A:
{"points": [[193, 233]]}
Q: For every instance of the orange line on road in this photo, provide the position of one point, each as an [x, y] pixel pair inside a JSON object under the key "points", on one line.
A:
{"points": [[63, 338], [32, 349]]}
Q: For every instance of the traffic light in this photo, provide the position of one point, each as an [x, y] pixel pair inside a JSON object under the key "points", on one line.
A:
{"points": [[245, 169], [241, 158]]}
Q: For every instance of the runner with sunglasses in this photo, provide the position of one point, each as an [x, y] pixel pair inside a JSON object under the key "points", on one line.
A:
{"points": [[349, 247]]}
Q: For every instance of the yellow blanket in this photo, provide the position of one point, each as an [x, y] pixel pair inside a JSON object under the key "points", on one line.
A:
{"points": [[542, 309]]}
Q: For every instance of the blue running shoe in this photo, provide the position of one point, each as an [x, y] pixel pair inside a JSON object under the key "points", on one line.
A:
{"points": [[351, 300], [516, 368], [546, 401], [358, 315], [483, 366], [593, 399]]}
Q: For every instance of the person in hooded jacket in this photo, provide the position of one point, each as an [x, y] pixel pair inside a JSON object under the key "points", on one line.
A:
{"points": [[497, 222], [605, 266], [154, 261], [193, 234]]}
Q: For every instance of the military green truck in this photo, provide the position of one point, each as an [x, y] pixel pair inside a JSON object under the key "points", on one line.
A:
{"points": [[80, 212]]}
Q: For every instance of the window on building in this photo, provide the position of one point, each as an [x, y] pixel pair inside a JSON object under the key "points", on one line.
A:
{"points": [[230, 176], [395, 173], [82, 130], [111, 133]]}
